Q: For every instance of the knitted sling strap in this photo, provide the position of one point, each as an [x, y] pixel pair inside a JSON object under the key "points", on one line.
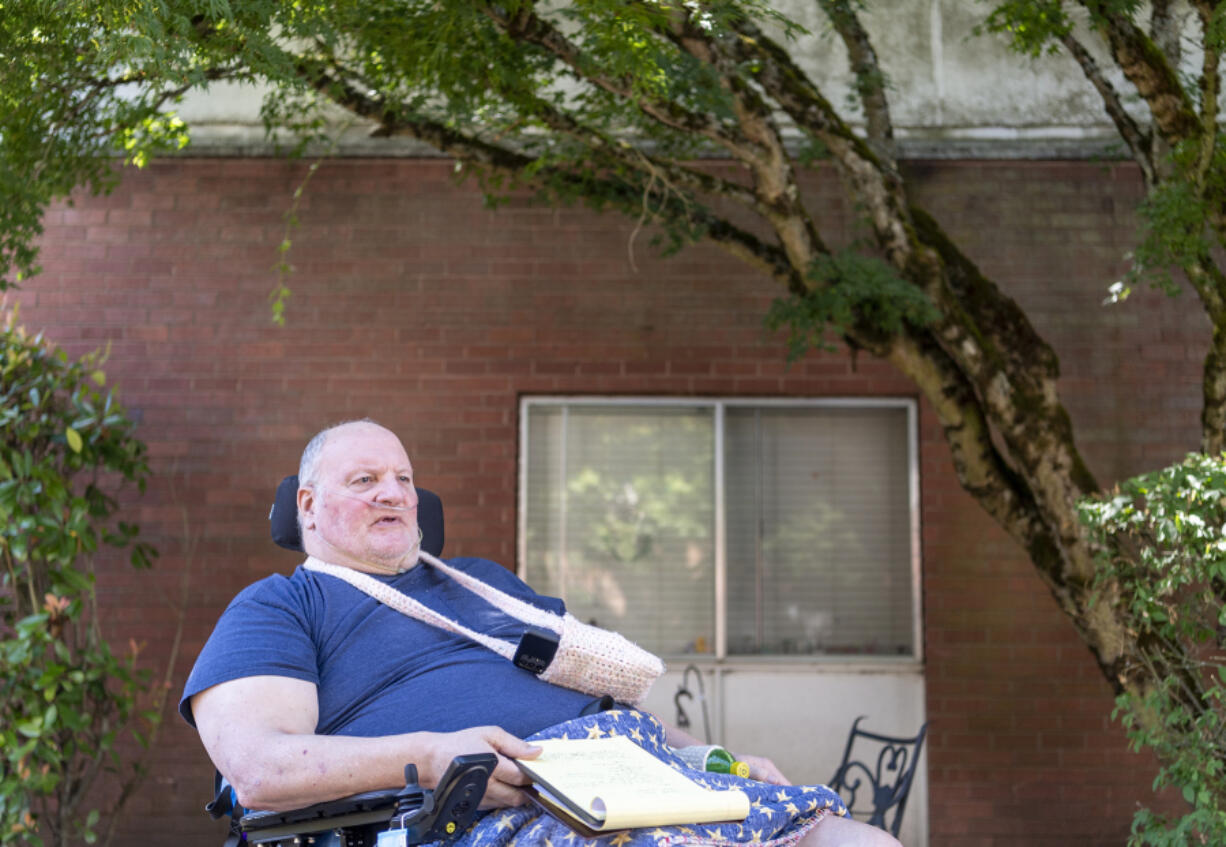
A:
{"points": [[405, 604], [589, 659], [513, 606]]}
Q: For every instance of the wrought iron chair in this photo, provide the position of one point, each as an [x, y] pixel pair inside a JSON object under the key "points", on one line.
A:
{"points": [[683, 693], [888, 780]]}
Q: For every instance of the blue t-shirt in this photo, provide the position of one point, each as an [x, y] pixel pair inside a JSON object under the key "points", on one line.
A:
{"points": [[377, 671]]}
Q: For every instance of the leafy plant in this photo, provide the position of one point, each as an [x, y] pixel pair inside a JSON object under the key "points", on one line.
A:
{"points": [[1163, 542], [849, 286], [68, 701]]}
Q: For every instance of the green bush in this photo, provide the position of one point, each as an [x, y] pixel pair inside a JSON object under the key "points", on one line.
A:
{"points": [[1163, 541], [67, 701]]}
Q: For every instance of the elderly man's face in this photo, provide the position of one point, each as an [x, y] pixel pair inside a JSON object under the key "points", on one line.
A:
{"points": [[362, 510]]}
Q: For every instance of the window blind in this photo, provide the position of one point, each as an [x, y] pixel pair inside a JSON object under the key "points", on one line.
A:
{"points": [[619, 520], [818, 531]]}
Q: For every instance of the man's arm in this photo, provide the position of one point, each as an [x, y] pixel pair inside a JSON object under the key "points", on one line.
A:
{"points": [[260, 733]]}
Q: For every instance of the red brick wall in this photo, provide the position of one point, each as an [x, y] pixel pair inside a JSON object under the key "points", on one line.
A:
{"points": [[416, 305]]}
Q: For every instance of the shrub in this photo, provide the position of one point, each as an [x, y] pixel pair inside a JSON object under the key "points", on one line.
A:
{"points": [[1163, 540], [68, 702]]}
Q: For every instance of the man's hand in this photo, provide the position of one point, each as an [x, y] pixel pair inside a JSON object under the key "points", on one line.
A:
{"points": [[760, 768], [505, 782], [764, 770]]}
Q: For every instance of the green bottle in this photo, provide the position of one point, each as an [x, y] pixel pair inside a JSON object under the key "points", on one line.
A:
{"points": [[712, 757]]}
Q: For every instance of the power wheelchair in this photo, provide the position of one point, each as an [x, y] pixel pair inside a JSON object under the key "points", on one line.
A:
{"points": [[390, 818]]}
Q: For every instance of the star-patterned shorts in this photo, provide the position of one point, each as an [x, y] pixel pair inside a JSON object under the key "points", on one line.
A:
{"points": [[779, 814]]}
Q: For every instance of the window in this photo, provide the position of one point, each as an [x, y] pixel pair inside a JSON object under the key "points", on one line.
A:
{"points": [[726, 527]]}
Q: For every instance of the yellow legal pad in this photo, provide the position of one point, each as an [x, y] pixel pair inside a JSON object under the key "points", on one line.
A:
{"points": [[598, 785]]}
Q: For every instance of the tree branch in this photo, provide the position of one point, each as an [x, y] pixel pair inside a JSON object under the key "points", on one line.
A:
{"points": [[878, 188], [528, 27], [1138, 141], [1213, 405], [986, 333], [774, 177], [1210, 88], [1164, 29], [673, 174], [1147, 68], [982, 469], [1209, 283], [870, 81], [625, 154], [1013, 370], [627, 197], [1008, 497]]}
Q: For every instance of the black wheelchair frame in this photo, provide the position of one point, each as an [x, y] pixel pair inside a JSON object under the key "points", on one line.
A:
{"points": [[412, 815]]}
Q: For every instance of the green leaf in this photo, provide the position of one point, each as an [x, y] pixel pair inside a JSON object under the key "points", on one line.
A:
{"points": [[30, 727], [74, 439]]}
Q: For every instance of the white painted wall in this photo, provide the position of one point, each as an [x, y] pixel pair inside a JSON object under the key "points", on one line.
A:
{"points": [[946, 82], [799, 715], [953, 93]]}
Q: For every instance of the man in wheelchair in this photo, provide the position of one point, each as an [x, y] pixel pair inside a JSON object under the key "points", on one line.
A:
{"points": [[310, 690]]}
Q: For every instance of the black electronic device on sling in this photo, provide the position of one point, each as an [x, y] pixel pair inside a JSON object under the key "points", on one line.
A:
{"points": [[536, 650]]}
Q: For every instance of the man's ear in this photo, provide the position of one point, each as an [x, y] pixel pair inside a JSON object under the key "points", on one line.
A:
{"points": [[306, 507]]}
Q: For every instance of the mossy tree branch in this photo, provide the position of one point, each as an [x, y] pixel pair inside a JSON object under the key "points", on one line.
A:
{"points": [[563, 184], [870, 81], [1153, 77], [1139, 142]]}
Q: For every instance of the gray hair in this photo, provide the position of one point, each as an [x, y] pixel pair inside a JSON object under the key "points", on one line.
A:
{"points": [[308, 466]]}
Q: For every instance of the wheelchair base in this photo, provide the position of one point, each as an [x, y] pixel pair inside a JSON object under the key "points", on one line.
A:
{"points": [[406, 817]]}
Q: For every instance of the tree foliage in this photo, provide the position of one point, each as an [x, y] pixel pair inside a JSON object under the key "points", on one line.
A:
{"points": [[67, 699], [619, 104], [1162, 541]]}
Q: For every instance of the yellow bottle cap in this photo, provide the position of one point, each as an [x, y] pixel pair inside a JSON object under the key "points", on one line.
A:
{"points": [[740, 769]]}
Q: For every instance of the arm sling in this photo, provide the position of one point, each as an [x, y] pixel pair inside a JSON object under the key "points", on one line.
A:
{"points": [[588, 659]]}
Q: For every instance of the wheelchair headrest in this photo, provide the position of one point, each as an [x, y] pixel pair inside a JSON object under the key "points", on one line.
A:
{"points": [[283, 519]]}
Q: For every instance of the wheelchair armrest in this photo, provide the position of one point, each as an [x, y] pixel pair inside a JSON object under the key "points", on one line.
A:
{"points": [[412, 814], [372, 807], [450, 810]]}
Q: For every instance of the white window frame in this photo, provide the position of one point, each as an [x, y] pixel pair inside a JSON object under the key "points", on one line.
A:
{"points": [[719, 406]]}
